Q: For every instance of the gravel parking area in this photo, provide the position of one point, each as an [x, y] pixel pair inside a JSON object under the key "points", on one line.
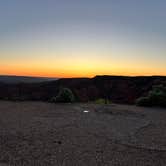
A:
{"points": [[47, 134]]}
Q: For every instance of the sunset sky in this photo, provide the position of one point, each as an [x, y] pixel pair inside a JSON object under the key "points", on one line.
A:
{"points": [[82, 38]]}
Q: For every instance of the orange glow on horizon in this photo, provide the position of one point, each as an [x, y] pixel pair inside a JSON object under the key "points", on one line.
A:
{"points": [[78, 73], [72, 67]]}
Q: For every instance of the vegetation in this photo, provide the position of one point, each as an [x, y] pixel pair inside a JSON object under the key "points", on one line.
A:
{"points": [[143, 101], [155, 97], [65, 95], [102, 101]]}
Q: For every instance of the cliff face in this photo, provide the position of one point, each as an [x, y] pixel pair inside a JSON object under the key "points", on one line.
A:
{"points": [[116, 88]]}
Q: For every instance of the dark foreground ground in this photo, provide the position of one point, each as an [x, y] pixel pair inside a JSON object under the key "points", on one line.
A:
{"points": [[44, 134]]}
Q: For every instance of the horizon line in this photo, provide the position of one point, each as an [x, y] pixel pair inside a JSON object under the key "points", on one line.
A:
{"points": [[113, 75]]}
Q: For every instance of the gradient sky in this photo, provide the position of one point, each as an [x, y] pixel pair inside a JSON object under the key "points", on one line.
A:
{"points": [[82, 38]]}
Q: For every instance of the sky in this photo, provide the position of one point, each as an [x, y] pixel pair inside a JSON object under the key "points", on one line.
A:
{"points": [[82, 38]]}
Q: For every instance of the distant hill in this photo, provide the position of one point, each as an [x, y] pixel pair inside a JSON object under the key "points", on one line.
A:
{"points": [[23, 79], [118, 89]]}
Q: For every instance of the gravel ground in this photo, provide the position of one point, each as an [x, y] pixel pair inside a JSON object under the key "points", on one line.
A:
{"points": [[46, 134]]}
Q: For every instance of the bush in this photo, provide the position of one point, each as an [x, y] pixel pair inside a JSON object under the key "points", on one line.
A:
{"points": [[65, 95], [143, 101], [102, 101], [155, 97]]}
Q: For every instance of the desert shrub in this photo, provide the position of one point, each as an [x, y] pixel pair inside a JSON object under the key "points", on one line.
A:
{"points": [[102, 101], [143, 101], [65, 95], [158, 96], [155, 97]]}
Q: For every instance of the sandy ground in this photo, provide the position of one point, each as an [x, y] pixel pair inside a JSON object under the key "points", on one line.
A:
{"points": [[45, 134]]}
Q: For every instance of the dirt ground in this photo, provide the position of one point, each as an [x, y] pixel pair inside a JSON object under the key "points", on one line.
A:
{"points": [[46, 134]]}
